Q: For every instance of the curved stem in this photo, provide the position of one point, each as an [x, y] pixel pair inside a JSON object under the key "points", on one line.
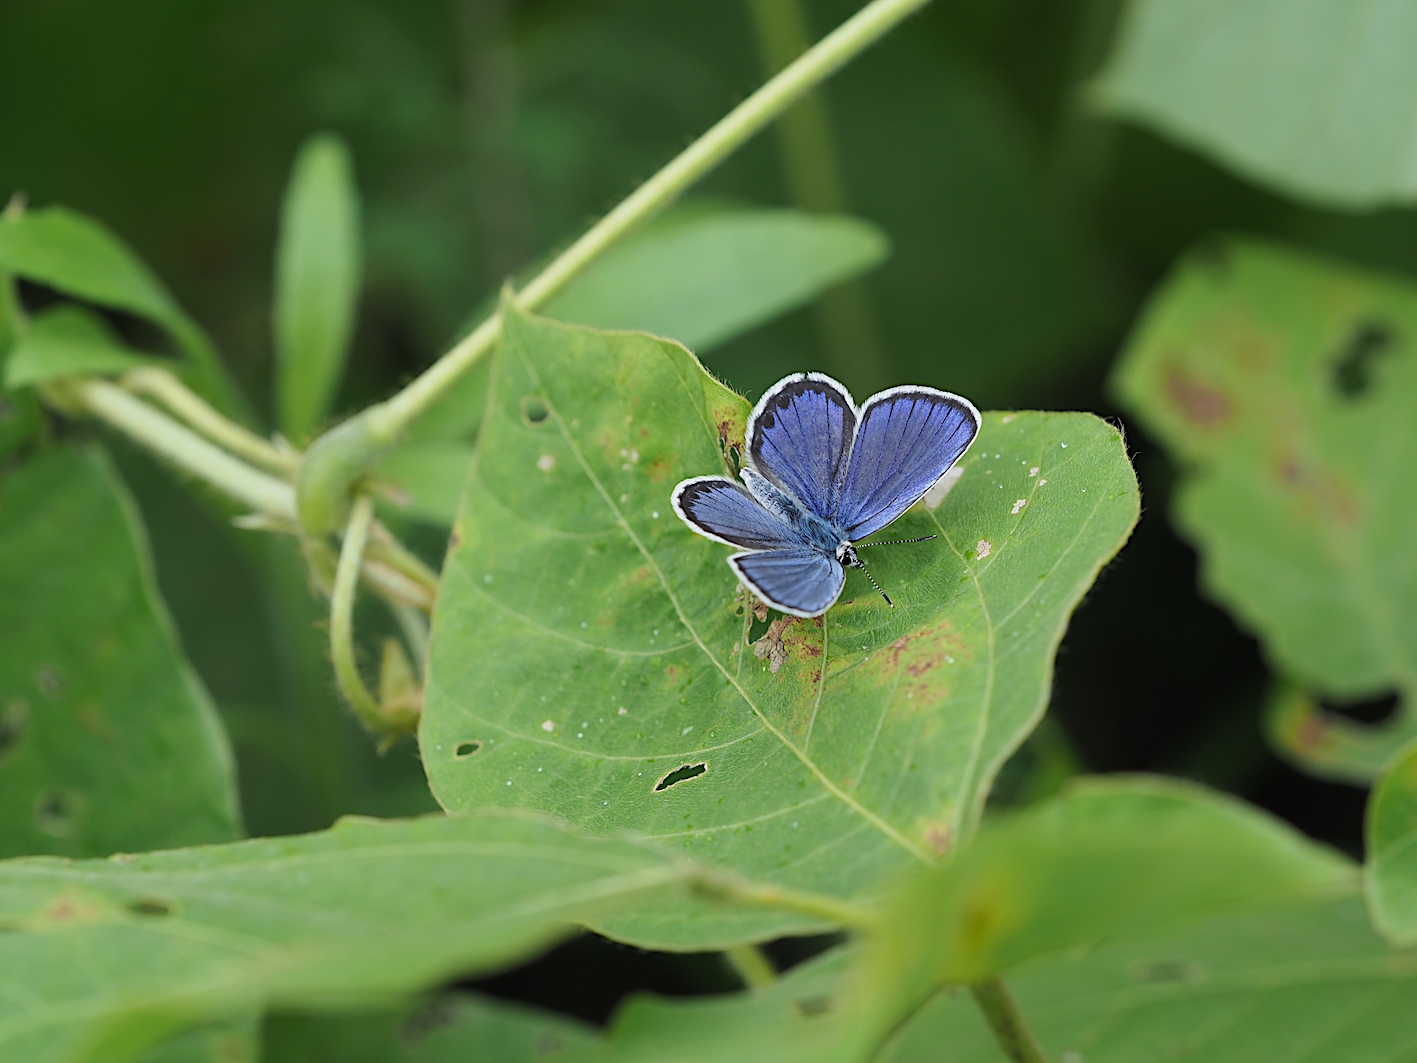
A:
{"points": [[337, 459], [178, 444], [1012, 1033], [751, 965], [347, 676], [820, 906], [192, 408]]}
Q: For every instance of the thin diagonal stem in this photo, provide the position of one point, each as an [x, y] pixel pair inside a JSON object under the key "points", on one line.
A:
{"points": [[337, 460], [1004, 1018]]}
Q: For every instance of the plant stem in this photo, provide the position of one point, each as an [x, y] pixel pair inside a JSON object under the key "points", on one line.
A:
{"points": [[1004, 1019], [828, 909], [340, 457], [179, 445], [351, 684], [192, 408], [751, 965]]}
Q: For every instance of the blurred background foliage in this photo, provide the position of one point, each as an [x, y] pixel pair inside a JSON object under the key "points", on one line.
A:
{"points": [[1025, 231]]}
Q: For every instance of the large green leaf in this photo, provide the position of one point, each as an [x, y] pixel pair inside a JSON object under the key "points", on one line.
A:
{"points": [[1285, 387], [704, 275], [317, 283], [107, 739], [80, 257], [454, 1028], [114, 954], [587, 645], [1313, 97], [1299, 983], [66, 341], [1392, 849], [1112, 859]]}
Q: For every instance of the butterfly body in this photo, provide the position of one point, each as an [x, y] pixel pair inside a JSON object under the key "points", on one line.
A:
{"points": [[823, 474]]}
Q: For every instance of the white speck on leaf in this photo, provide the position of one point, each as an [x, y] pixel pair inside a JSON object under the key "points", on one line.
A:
{"points": [[549, 725], [687, 730], [624, 711], [546, 463], [1013, 512], [487, 578], [1033, 472], [1008, 418], [654, 515], [983, 549], [1042, 482], [1065, 446]]}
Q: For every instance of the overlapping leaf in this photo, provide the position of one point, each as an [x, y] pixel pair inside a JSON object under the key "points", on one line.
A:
{"points": [[1286, 387], [1307, 982], [590, 655], [1311, 96], [67, 341], [1392, 849], [107, 740], [103, 956]]}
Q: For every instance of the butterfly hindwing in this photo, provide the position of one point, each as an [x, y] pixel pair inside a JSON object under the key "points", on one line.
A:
{"points": [[908, 437], [798, 580], [799, 437], [721, 509]]}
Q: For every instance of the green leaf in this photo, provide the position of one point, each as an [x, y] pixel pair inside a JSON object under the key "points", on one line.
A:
{"points": [[80, 257], [227, 1041], [19, 413], [317, 283], [1312, 97], [68, 341], [1299, 983], [1112, 859], [107, 739], [430, 477], [593, 646], [703, 275], [114, 954], [1391, 879], [454, 1028], [1284, 386], [804, 1017]]}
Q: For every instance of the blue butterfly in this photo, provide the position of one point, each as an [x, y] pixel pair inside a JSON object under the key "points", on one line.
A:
{"points": [[821, 475]]}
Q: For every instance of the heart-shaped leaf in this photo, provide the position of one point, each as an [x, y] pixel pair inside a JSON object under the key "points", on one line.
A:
{"points": [[595, 653]]}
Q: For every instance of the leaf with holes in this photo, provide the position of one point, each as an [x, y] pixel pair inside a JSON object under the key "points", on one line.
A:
{"points": [[1311, 96], [1284, 386], [591, 655], [116, 954], [107, 739]]}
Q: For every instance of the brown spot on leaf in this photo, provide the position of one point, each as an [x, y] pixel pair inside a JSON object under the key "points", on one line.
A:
{"points": [[68, 909], [939, 837], [455, 539], [1199, 402], [771, 647]]}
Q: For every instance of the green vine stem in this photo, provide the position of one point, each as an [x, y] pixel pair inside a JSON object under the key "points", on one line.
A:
{"points": [[177, 443], [751, 965], [833, 910], [337, 459], [1012, 1033], [351, 684], [180, 400]]}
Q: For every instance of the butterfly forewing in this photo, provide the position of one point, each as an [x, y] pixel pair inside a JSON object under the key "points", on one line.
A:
{"points": [[722, 510], [800, 580], [907, 439], [799, 437]]}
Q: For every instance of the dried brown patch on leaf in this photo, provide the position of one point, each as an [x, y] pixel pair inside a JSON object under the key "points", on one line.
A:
{"points": [[1197, 400], [771, 647]]}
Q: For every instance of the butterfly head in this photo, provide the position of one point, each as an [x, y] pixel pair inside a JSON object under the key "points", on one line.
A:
{"points": [[846, 555]]}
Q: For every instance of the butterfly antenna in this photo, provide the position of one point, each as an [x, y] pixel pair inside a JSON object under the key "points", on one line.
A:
{"points": [[896, 542], [872, 578]]}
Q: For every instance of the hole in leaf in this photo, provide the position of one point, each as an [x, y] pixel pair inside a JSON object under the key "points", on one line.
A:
{"points": [[55, 811], [534, 411], [1356, 363], [1175, 969], [1371, 711], [758, 628], [678, 775], [13, 720], [154, 906], [464, 750]]}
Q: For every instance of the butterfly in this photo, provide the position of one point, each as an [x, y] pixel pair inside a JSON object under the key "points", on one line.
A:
{"points": [[822, 474]]}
